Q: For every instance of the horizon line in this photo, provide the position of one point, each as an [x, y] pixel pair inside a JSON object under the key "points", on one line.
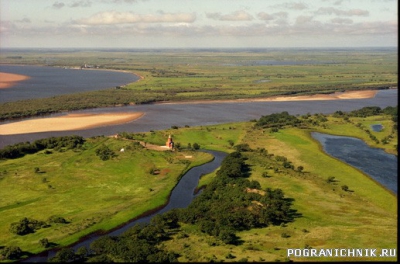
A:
{"points": [[182, 48]]}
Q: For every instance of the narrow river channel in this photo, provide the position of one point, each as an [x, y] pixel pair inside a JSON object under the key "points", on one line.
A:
{"points": [[181, 196], [376, 163]]}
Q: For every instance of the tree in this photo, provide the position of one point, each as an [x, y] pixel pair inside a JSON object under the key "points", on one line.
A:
{"points": [[64, 255], [11, 252], [105, 153], [82, 252], [196, 146], [300, 168], [44, 242]]}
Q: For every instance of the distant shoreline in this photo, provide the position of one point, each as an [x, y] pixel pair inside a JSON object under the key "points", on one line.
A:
{"points": [[364, 94]]}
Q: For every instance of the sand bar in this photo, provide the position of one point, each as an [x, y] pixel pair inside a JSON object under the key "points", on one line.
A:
{"points": [[9, 79], [68, 122], [334, 96]]}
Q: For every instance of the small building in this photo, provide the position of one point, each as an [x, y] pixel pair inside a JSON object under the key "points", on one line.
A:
{"points": [[170, 142]]}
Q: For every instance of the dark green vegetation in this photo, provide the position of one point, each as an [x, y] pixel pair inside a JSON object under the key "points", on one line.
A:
{"points": [[57, 143], [275, 190], [206, 75]]}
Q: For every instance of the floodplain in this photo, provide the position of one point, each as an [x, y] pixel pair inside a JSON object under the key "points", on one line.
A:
{"points": [[328, 216]]}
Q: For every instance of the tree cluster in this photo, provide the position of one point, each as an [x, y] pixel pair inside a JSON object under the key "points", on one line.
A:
{"points": [[277, 120], [26, 226], [232, 203], [11, 253], [139, 244], [29, 225], [105, 153], [20, 149]]}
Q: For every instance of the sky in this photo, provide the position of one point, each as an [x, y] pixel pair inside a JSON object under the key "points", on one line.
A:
{"points": [[198, 23]]}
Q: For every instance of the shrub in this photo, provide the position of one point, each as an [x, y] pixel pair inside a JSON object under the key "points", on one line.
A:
{"points": [[105, 153]]}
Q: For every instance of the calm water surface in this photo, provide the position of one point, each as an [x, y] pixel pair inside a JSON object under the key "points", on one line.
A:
{"points": [[53, 81], [163, 116], [377, 127], [379, 165]]}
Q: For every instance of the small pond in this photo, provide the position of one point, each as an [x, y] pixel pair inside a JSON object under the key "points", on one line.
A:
{"points": [[377, 127]]}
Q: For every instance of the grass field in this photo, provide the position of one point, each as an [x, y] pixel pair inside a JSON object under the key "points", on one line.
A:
{"points": [[89, 193]]}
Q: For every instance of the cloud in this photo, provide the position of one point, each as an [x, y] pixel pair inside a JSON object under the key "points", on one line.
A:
{"points": [[114, 17], [266, 16], [24, 20], [338, 20], [58, 5], [301, 20], [82, 3], [295, 6], [239, 15], [338, 12], [122, 1]]}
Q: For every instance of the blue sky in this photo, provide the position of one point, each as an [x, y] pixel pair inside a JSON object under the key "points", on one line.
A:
{"points": [[198, 23]]}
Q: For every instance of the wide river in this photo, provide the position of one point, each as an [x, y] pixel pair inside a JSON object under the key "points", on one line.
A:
{"points": [[163, 116], [52, 81]]}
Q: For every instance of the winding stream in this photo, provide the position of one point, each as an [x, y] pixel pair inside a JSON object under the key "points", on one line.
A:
{"points": [[181, 196]]}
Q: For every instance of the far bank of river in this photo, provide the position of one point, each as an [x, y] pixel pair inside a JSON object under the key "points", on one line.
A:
{"points": [[376, 163]]}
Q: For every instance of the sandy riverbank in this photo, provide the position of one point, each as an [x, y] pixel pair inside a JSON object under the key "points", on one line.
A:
{"points": [[334, 96], [68, 122], [7, 80], [78, 122]]}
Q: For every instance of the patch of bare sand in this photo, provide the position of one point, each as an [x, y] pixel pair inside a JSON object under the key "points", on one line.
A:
{"points": [[68, 122], [334, 96], [9, 79]]}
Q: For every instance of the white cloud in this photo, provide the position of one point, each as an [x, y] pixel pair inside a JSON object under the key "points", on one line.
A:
{"points": [[114, 17], [81, 3], [266, 16], [24, 20], [338, 20], [58, 5], [239, 15], [295, 6], [338, 12], [301, 20]]}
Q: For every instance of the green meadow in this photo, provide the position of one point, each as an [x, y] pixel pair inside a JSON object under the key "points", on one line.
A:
{"points": [[91, 194]]}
